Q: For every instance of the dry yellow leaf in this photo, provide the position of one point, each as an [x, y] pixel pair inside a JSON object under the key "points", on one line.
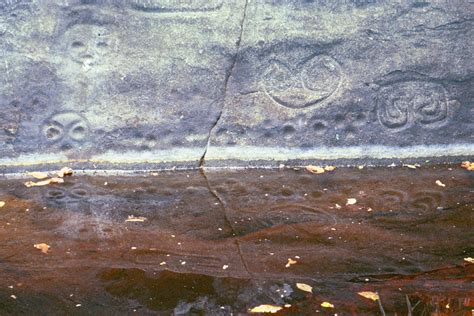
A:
{"points": [[2, 204], [327, 305], [290, 262], [38, 175], [30, 184], [469, 259], [410, 166], [43, 247], [132, 218], [315, 169], [66, 171], [266, 309], [351, 201], [329, 168], [370, 295], [468, 165], [441, 184], [304, 287]]}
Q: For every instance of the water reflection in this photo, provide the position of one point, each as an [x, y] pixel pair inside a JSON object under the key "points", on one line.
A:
{"points": [[221, 243]]}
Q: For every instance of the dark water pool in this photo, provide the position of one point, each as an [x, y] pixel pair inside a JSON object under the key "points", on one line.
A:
{"points": [[220, 243]]}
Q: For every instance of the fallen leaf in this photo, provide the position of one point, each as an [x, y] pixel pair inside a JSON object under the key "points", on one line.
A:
{"points": [[43, 247], [469, 259], [327, 305], [329, 168], [30, 184], [410, 166], [290, 262], [132, 218], [38, 175], [304, 287], [468, 165], [370, 295], [2, 204], [265, 309], [66, 171], [351, 201], [315, 169], [441, 184]]}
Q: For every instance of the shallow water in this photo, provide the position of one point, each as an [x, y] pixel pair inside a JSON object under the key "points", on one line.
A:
{"points": [[219, 243]]}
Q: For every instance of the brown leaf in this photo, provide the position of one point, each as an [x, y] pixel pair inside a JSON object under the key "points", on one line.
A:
{"points": [[304, 287], [315, 169], [468, 165], [43, 247], [266, 309], [66, 171], [370, 295], [30, 184], [38, 175]]}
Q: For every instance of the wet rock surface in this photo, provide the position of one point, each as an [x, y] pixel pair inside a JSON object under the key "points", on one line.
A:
{"points": [[167, 83], [221, 242]]}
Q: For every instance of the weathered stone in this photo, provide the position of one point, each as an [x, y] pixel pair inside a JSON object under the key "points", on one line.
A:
{"points": [[161, 83]]}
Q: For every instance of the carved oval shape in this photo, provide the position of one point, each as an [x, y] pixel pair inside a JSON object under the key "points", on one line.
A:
{"points": [[309, 84]]}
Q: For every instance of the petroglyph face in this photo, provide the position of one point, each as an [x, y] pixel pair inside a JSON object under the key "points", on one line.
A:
{"points": [[89, 44], [66, 130]]}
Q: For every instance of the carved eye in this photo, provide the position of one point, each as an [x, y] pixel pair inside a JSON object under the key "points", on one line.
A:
{"points": [[102, 44], [77, 44], [78, 132], [53, 131], [321, 75], [278, 77]]}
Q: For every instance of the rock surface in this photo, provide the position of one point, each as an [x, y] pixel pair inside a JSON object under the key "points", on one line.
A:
{"points": [[186, 83]]}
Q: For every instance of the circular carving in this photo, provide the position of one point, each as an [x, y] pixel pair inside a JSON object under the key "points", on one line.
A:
{"points": [[66, 129], [307, 84], [404, 104]]}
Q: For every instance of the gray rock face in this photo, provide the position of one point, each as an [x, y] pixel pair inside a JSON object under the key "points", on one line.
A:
{"points": [[161, 82]]}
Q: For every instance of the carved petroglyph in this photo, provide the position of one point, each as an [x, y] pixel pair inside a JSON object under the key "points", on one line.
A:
{"points": [[66, 130], [403, 105], [303, 85], [163, 6], [88, 44]]}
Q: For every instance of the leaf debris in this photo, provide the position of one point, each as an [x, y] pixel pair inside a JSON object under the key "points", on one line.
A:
{"points": [[469, 259], [265, 308], [441, 184], [43, 247], [132, 218], [2, 203], [351, 201], [38, 175], [318, 170], [327, 305], [370, 295], [65, 171], [30, 184], [304, 287], [468, 165], [290, 262]]}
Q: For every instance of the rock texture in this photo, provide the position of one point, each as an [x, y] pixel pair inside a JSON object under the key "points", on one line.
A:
{"points": [[186, 83]]}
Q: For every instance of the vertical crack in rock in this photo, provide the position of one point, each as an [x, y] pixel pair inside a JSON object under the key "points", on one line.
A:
{"points": [[223, 208], [226, 81]]}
